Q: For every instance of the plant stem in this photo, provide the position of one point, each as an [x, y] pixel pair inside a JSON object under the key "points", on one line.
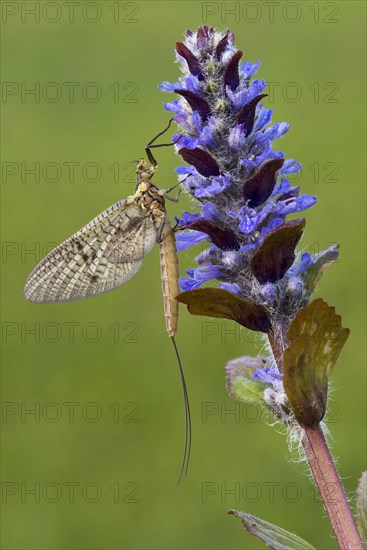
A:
{"points": [[324, 473], [330, 487]]}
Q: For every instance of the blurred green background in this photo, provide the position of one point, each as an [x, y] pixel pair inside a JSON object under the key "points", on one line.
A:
{"points": [[103, 448]]}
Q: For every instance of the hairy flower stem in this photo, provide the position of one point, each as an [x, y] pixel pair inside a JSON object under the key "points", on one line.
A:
{"points": [[330, 487], [325, 475]]}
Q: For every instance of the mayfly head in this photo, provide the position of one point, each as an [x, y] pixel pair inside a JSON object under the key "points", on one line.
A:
{"points": [[142, 171], [141, 165]]}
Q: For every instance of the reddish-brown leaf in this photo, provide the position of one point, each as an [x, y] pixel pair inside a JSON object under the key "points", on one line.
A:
{"points": [[246, 116], [276, 254], [204, 163], [196, 103], [217, 302], [260, 186], [221, 46], [192, 61], [231, 76], [223, 237]]}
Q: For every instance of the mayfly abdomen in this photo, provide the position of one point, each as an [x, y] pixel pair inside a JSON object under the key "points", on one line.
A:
{"points": [[169, 275]]}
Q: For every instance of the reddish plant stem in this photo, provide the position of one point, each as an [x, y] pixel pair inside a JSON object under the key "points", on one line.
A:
{"points": [[330, 487], [324, 472]]}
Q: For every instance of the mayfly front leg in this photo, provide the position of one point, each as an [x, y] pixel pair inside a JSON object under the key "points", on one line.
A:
{"points": [[150, 145]]}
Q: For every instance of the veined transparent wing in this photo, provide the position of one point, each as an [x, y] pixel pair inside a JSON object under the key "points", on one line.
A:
{"points": [[103, 255]]}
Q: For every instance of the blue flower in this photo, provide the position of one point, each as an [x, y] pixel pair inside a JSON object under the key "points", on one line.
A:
{"points": [[269, 375], [189, 238], [239, 181], [198, 276]]}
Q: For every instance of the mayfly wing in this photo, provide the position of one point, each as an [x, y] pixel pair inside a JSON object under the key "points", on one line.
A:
{"points": [[103, 255]]}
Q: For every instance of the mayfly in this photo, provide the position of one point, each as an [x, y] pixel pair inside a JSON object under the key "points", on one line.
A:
{"points": [[108, 251]]}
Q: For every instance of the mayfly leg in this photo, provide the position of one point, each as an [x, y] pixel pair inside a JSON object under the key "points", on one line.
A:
{"points": [[170, 287], [150, 145], [168, 197]]}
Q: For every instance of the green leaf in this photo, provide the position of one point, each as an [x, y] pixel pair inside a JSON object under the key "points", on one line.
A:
{"points": [[273, 536], [361, 511], [216, 302], [241, 384], [316, 339], [321, 262]]}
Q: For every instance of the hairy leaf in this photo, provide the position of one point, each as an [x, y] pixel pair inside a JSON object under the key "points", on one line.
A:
{"points": [[316, 339], [241, 384], [323, 260]]}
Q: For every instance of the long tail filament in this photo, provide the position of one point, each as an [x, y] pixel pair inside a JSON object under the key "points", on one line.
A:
{"points": [[187, 447]]}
